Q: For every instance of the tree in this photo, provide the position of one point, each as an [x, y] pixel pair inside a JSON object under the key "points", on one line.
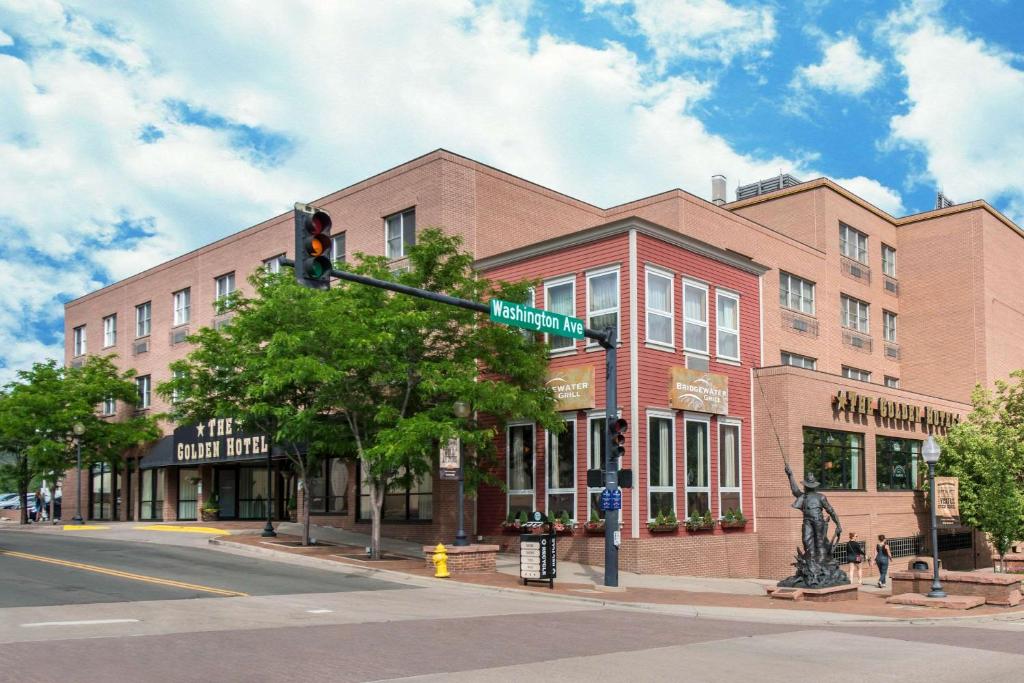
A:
{"points": [[986, 453]]}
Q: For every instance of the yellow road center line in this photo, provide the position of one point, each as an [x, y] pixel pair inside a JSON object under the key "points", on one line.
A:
{"points": [[124, 575]]}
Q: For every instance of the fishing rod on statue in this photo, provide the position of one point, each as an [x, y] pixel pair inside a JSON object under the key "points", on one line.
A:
{"points": [[771, 420]]}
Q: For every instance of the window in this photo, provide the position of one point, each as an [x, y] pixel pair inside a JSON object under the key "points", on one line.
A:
{"points": [[78, 337], [182, 306], [225, 284], [562, 471], [412, 503], [856, 373], [695, 317], [273, 264], [338, 248], [603, 301], [401, 233], [835, 458], [661, 466], [698, 466], [175, 394], [728, 324], [104, 479], [659, 307], [854, 314], [729, 474], [889, 326], [796, 293], [898, 464], [328, 490], [143, 314], [853, 243], [520, 468], [152, 498], [595, 461], [110, 331], [892, 382], [560, 297], [109, 406], [143, 385], [888, 260], [799, 361]]}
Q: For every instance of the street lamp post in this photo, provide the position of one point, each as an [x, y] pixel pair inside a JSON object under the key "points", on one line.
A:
{"points": [[79, 430], [462, 411], [268, 528], [931, 453]]}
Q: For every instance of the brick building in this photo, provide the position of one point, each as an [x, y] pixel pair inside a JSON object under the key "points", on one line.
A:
{"points": [[811, 291]]}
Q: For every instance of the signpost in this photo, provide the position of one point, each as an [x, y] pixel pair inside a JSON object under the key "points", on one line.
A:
{"points": [[538, 554], [448, 463]]}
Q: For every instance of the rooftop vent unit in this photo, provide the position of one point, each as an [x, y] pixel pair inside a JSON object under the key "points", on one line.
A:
{"points": [[779, 182], [942, 201]]}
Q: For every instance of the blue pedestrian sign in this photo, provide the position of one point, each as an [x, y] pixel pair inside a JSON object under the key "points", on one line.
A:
{"points": [[611, 500]]}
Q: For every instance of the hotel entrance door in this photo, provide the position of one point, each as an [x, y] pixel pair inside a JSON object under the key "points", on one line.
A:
{"points": [[227, 480]]}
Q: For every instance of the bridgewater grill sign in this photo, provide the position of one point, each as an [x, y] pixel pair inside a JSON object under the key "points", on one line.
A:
{"points": [[573, 387], [217, 440], [699, 391]]}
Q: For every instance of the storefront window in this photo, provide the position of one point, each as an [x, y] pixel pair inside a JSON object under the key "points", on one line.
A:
{"points": [[328, 491], [898, 464], [835, 458], [152, 503], [698, 463], [561, 459], [661, 466], [253, 493], [520, 469], [188, 492], [102, 491], [595, 461], [729, 486], [401, 504]]}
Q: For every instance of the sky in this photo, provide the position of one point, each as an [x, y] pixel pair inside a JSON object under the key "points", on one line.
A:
{"points": [[133, 132]]}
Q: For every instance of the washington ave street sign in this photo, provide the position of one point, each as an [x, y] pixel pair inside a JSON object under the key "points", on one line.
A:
{"points": [[535, 319]]}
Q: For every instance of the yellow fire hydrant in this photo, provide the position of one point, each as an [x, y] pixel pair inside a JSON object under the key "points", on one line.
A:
{"points": [[441, 562]]}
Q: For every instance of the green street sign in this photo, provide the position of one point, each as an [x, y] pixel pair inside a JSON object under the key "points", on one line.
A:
{"points": [[535, 319]]}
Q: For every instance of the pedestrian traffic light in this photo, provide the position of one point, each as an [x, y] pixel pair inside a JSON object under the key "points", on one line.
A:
{"points": [[312, 247], [617, 437]]}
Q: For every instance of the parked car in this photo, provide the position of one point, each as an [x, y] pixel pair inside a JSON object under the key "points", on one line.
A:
{"points": [[10, 501]]}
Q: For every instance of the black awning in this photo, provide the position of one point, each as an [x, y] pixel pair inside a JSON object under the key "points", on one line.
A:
{"points": [[160, 454]]}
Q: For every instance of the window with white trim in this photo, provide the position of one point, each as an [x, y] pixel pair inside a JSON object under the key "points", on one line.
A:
{"points": [[730, 476], [175, 394], [273, 264], [892, 382], [661, 465], [400, 233], [795, 359], [603, 301], [110, 330], [796, 293], [560, 297], [519, 451], [888, 260], [78, 341], [856, 373], [143, 319], [338, 248], [695, 317], [182, 306], [853, 244], [727, 325], [889, 326], [660, 313], [596, 436], [854, 314], [143, 385], [225, 284], [698, 466], [109, 406], [561, 461]]}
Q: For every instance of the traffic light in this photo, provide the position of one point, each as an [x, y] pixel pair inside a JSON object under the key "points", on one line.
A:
{"points": [[617, 437], [312, 247]]}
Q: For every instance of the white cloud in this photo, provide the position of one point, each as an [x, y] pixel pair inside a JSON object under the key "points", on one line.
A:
{"points": [[843, 69], [5, 39], [875, 192], [697, 29], [963, 103]]}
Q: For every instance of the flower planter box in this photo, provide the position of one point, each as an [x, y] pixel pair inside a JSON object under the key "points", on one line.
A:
{"points": [[594, 527], [209, 515], [662, 528], [513, 528], [700, 527], [733, 524], [564, 529]]}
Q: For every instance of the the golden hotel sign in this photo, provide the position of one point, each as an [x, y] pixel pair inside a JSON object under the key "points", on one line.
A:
{"points": [[217, 440], [573, 387], [851, 402], [698, 391]]}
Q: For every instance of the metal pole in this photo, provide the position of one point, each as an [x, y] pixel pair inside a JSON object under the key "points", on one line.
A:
{"points": [[611, 472], [460, 533], [268, 530], [936, 591], [78, 509]]}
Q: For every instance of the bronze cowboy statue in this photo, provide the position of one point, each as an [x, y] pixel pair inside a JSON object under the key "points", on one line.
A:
{"points": [[815, 566]]}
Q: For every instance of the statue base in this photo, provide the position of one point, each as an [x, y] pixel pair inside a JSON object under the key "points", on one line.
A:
{"points": [[833, 594], [812, 573]]}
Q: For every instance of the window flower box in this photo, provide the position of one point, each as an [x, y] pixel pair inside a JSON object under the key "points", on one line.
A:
{"points": [[663, 524], [733, 519], [697, 522]]}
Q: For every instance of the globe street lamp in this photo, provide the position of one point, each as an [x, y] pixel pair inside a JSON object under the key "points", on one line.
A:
{"points": [[931, 453], [79, 430], [462, 411]]}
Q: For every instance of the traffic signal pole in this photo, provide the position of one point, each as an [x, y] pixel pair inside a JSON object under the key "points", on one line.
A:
{"points": [[605, 338]]}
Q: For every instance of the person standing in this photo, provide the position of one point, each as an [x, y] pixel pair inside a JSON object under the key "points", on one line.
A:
{"points": [[882, 556], [855, 553]]}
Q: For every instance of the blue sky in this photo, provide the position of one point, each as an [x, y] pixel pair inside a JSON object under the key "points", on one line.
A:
{"points": [[133, 132]]}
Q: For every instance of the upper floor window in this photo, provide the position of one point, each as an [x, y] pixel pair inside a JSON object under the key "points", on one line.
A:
{"points": [[856, 373], [143, 318], [182, 306], [78, 338], [225, 285], [143, 385], [659, 307], [273, 264], [854, 314], [853, 243], [889, 326], [110, 330], [400, 233], [338, 248], [796, 293], [175, 394], [109, 406], [888, 260], [560, 297], [892, 382], [695, 317], [799, 361], [603, 301], [728, 325]]}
